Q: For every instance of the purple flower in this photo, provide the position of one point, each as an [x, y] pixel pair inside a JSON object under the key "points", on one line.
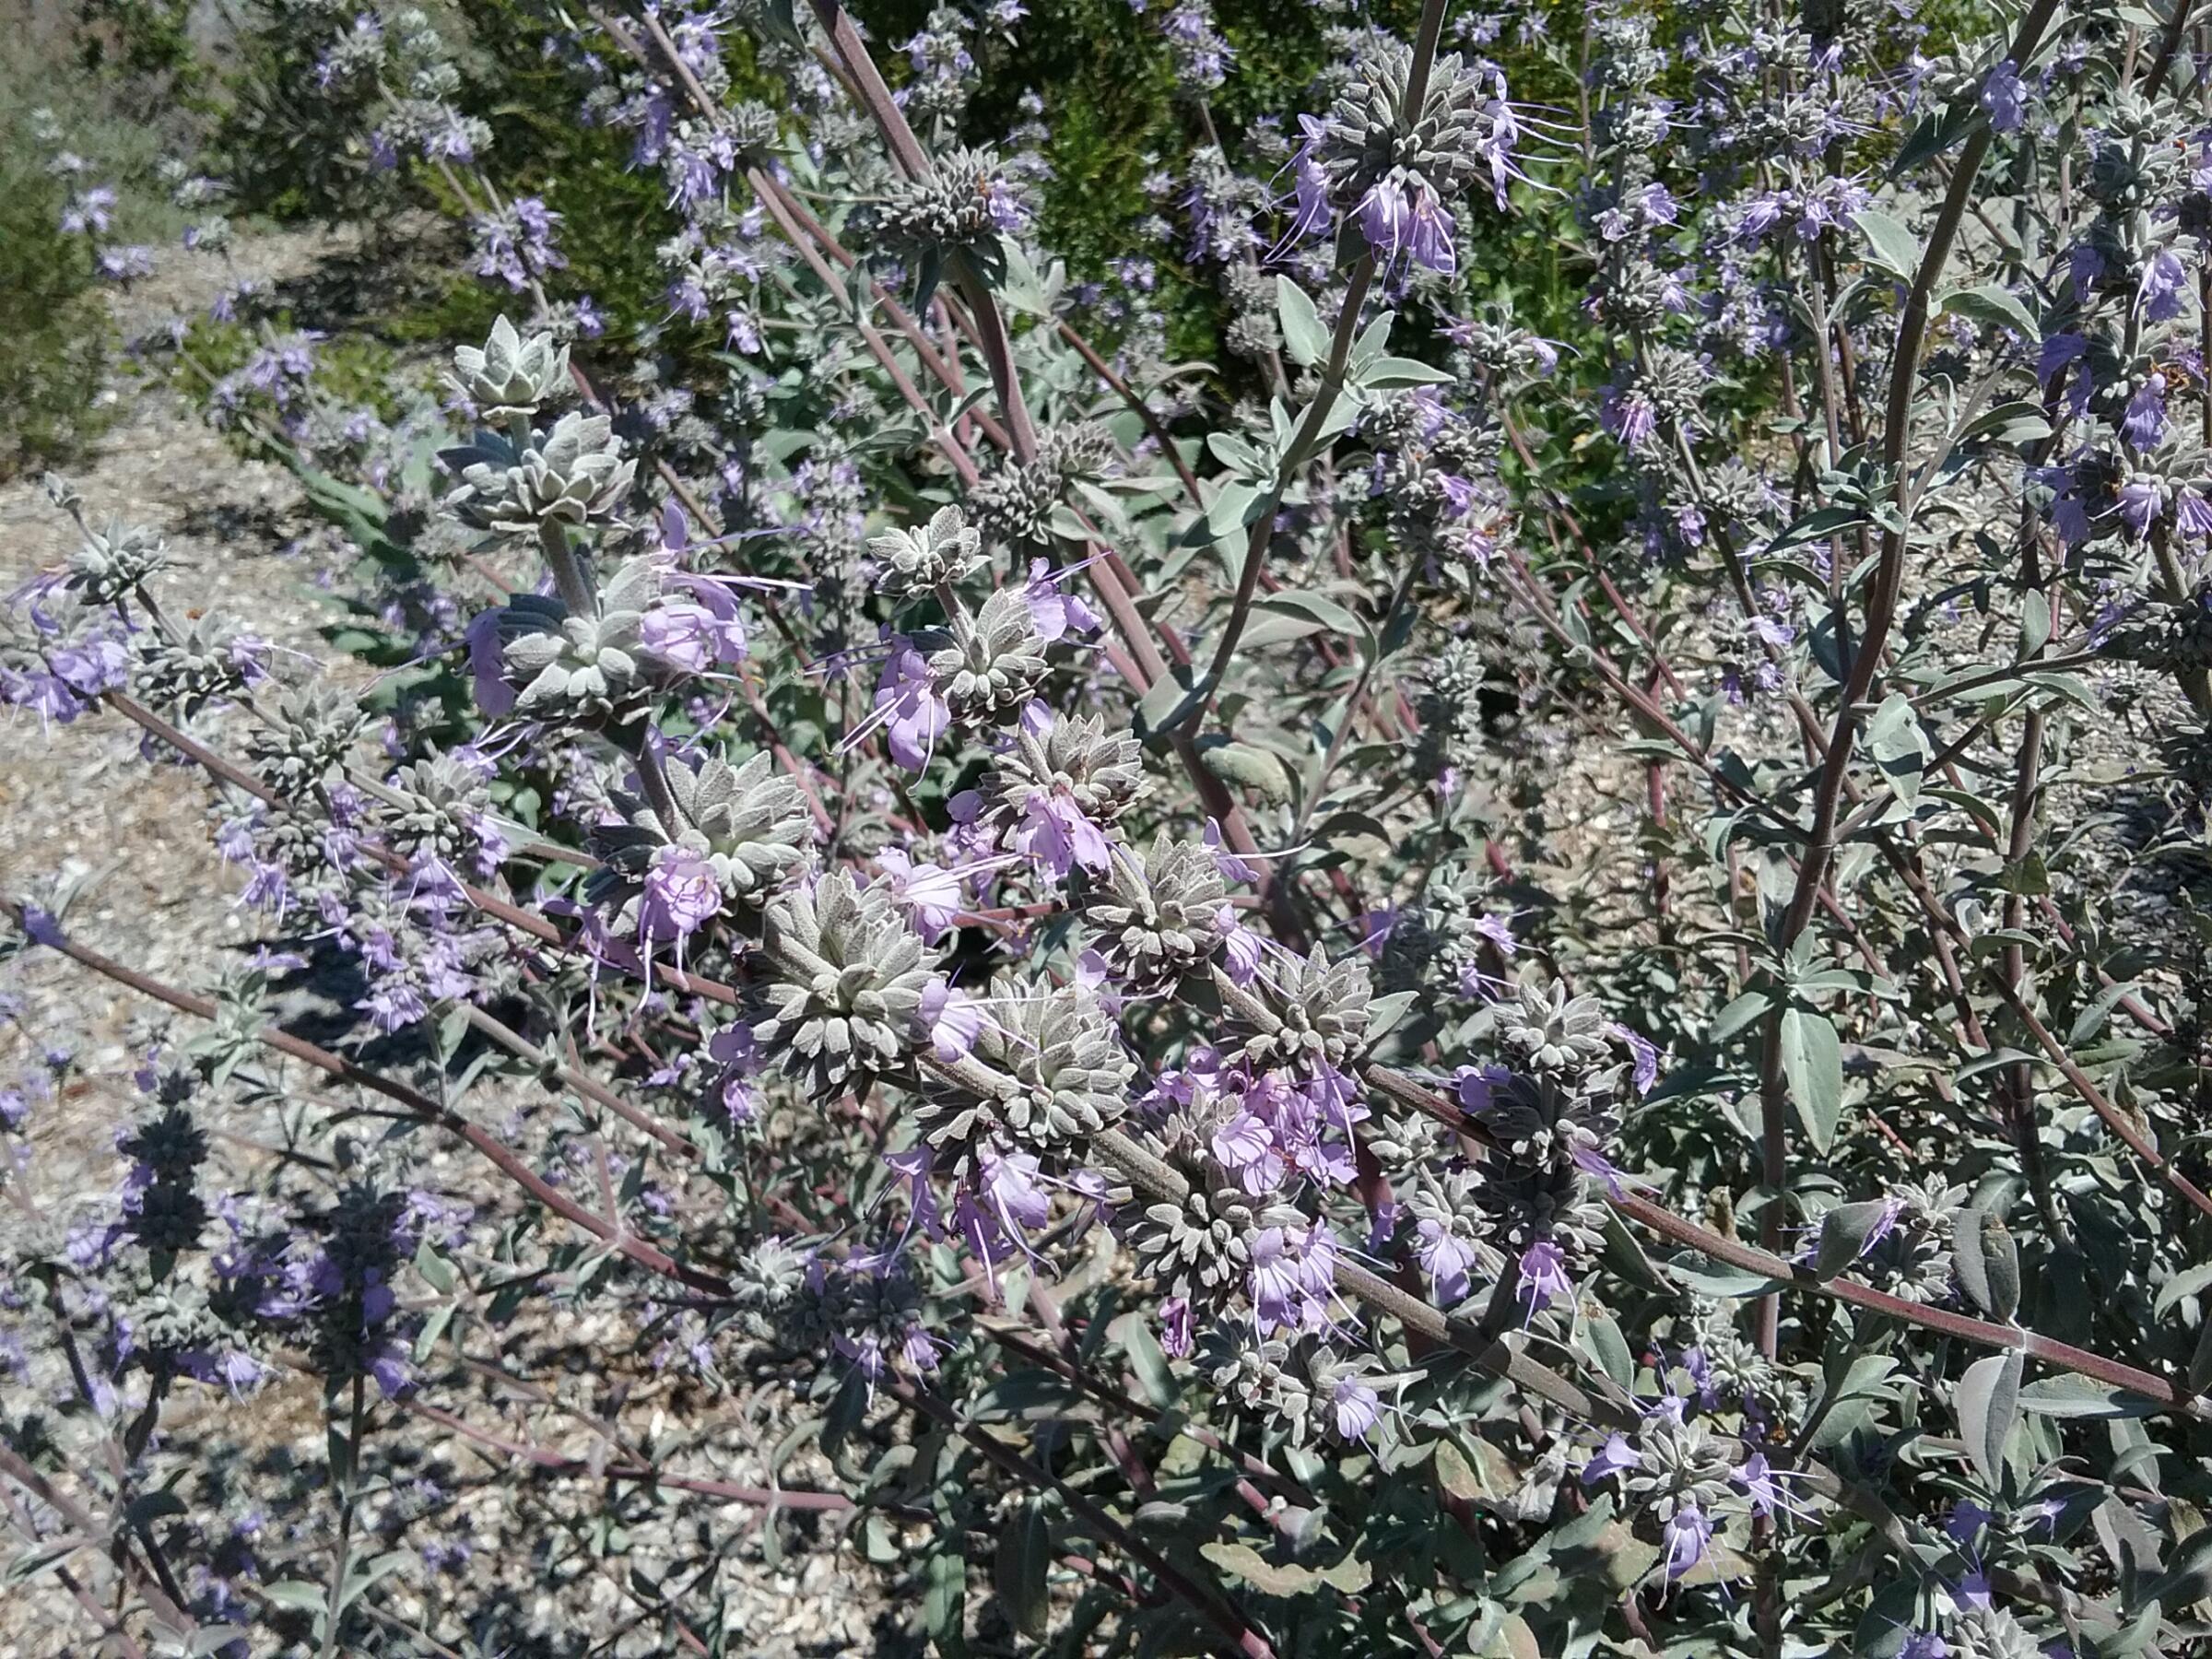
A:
{"points": [[1430, 237], [2141, 499], [2004, 98], [1384, 218], [1544, 1277], [516, 245], [234, 839], [928, 893], [913, 715], [1052, 612], [1273, 1280], [92, 666], [1232, 868], [1761, 214], [2070, 515], [442, 1557], [1241, 946], [377, 1299], [2085, 266], [911, 1169], [1055, 834], [694, 634], [387, 1363], [1474, 1085], [1758, 1480], [1310, 186], [126, 265], [1647, 1056], [1600, 1168], [494, 695], [1496, 143], [1446, 1258], [2160, 292], [268, 887], [2144, 421], [1093, 976], [1686, 1535], [242, 1373], [1628, 416], [1317, 1272], [249, 655], [89, 212], [919, 1349], [1005, 208], [1610, 1459], [1009, 1182], [952, 1019], [1175, 1332], [1356, 1407], [2192, 515], [1965, 1521], [393, 1003], [681, 896], [1246, 1148], [1333, 1095], [1884, 1225]]}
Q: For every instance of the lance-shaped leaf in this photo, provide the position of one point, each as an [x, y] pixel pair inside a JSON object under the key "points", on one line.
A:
{"points": [[1989, 1405]]}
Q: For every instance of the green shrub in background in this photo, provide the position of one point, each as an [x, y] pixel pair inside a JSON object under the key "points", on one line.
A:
{"points": [[150, 42], [51, 315], [120, 84], [1101, 68], [613, 217], [1103, 73]]}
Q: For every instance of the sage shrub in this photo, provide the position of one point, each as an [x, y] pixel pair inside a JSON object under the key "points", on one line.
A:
{"points": [[1488, 977]]}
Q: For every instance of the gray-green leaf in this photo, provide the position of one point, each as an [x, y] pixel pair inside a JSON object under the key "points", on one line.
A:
{"points": [[1025, 1550], [1989, 1404], [1812, 1062], [1895, 249], [1305, 336]]}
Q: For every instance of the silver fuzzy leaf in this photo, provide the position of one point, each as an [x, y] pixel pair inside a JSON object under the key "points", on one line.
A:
{"points": [[1101, 772], [1323, 1009], [513, 374], [1058, 1069], [1154, 922], [846, 983], [995, 664], [945, 550], [574, 474]]}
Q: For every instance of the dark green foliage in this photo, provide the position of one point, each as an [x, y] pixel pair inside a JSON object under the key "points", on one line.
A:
{"points": [[1115, 115], [613, 217], [51, 315], [146, 40]]}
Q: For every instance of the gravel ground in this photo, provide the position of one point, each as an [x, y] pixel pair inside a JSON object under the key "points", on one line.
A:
{"points": [[83, 813]]}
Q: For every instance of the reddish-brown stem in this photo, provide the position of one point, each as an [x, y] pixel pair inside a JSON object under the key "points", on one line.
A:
{"points": [[560, 1464], [1865, 663], [16, 1469], [416, 1103]]}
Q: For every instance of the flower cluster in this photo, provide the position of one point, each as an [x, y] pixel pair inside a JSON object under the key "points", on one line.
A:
{"points": [[1456, 890]]}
